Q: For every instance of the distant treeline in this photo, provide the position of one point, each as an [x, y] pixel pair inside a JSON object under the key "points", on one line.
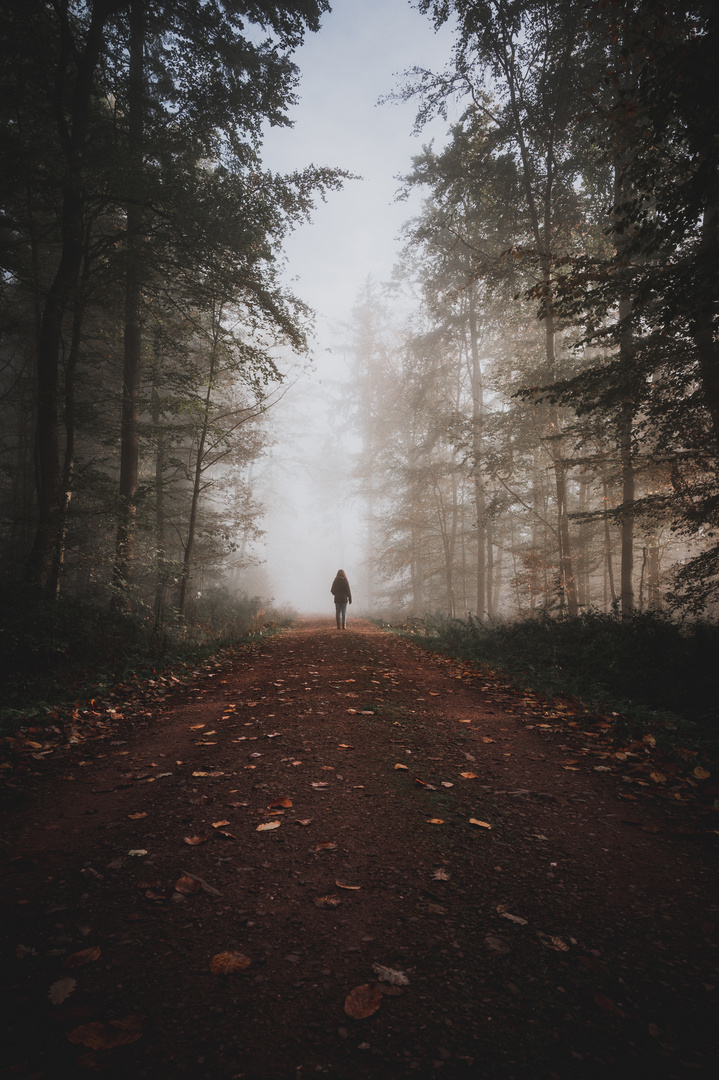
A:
{"points": [[542, 432]]}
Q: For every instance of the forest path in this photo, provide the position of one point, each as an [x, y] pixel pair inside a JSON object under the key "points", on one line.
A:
{"points": [[576, 937]]}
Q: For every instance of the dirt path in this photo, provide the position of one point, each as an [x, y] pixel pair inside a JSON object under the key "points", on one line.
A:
{"points": [[576, 937]]}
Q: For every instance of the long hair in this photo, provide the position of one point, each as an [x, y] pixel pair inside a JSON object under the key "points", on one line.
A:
{"points": [[341, 573]]}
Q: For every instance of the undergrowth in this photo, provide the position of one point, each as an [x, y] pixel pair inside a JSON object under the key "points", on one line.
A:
{"points": [[648, 669], [55, 652]]}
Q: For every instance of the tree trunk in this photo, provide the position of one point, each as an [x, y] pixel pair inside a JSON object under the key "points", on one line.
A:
{"points": [[48, 477], [626, 458], [477, 436], [129, 439]]}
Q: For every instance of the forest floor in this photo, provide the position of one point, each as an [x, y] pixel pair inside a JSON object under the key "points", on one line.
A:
{"points": [[507, 905]]}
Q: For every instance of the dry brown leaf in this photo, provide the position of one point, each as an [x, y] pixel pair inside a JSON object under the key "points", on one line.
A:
{"points": [[386, 990], [328, 901], [226, 963], [285, 802], [345, 746], [658, 777], [330, 846], [219, 824], [196, 727], [435, 821], [496, 945], [469, 775], [267, 825], [363, 1001], [137, 816], [303, 821], [440, 875], [97, 1036], [195, 841], [390, 975], [482, 824], [701, 774], [344, 885], [61, 990], [399, 766], [486, 738], [84, 956], [501, 910], [187, 885]]}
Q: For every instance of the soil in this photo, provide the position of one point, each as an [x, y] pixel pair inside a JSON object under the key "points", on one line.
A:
{"points": [[511, 907]]}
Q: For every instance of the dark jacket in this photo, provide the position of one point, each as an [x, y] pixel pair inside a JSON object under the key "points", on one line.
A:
{"points": [[341, 590]]}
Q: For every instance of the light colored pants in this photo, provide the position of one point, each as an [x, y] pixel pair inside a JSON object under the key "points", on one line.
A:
{"points": [[341, 613]]}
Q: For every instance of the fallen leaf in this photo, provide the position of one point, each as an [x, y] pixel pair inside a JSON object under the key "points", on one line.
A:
{"points": [[329, 846], [403, 767], [194, 841], [435, 821], [469, 775], [285, 802], [496, 945], [226, 963], [97, 1036], [303, 821], [649, 740], [187, 885], [84, 956], [196, 727], [501, 910], [319, 784], [390, 991], [344, 885], [607, 1005], [446, 783], [138, 851], [486, 739], [345, 746], [61, 990], [482, 824], [701, 774], [137, 816], [658, 777], [440, 875], [267, 825], [328, 901], [363, 1001], [390, 975]]}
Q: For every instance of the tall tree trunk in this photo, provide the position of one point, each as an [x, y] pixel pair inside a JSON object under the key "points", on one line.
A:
{"points": [[199, 469], [704, 323], [160, 523], [53, 584], [73, 137], [477, 454], [129, 437], [608, 562]]}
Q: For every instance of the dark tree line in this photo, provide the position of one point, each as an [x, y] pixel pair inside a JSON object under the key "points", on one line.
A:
{"points": [[142, 312], [542, 432]]}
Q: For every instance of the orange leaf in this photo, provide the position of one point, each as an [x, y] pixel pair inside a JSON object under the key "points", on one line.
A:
{"points": [[226, 963], [303, 821], [267, 825], [194, 841], [219, 824], [482, 824], [398, 766], [330, 846], [343, 885], [84, 956], [99, 1036], [469, 775], [435, 821], [658, 777], [701, 774], [285, 802], [328, 901], [363, 1001], [137, 816], [187, 885]]}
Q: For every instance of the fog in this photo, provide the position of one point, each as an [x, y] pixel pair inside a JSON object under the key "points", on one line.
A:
{"points": [[314, 522]]}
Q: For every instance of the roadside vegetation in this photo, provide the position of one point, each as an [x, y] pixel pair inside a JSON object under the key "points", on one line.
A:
{"points": [[56, 652], [648, 670]]}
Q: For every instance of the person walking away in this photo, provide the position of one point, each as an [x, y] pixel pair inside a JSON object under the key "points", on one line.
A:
{"points": [[343, 596]]}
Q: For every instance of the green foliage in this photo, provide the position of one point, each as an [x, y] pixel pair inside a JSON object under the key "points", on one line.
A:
{"points": [[52, 653], [647, 667]]}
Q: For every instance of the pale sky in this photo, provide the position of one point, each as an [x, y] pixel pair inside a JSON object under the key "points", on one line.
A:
{"points": [[355, 59]]}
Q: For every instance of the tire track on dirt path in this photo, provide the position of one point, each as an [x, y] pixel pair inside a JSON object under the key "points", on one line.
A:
{"points": [[558, 943]]}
